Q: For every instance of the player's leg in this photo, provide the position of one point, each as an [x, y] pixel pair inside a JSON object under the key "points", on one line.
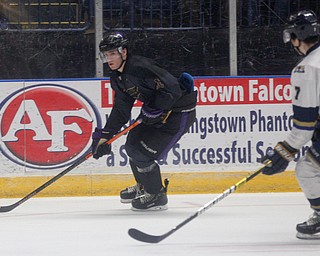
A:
{"points": [[144, 146], [155, 194], [308, 175], [134, 191]]}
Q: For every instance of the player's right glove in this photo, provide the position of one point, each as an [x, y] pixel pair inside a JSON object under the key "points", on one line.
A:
{"points": [[151, 116], [277, 159], [99, 147]]}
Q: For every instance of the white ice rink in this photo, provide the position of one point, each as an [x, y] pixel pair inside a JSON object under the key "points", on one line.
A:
{"points": [[240, 224]]}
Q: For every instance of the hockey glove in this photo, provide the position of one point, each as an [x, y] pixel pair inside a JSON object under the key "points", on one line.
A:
{"points": [[99, 147], [280, 157], [151, 116]]}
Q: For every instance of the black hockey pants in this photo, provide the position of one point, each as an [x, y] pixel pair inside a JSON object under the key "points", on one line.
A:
{"points": [[147, 143]]}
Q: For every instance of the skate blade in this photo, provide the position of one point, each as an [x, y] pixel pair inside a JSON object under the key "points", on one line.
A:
{"points": [[126, 201], [154, 208], [308, 236]]}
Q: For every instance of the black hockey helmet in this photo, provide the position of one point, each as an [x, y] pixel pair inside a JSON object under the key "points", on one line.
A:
{"points": [[112, 41], [301, 25]]}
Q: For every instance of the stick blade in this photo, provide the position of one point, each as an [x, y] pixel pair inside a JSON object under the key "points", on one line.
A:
{"points": [[143, 237], [7, 208]]}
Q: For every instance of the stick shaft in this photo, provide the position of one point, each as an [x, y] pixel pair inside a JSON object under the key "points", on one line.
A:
{"points": [[218, 198]]}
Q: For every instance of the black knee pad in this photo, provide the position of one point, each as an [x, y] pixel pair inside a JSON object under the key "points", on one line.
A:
{"points": [[148, 167], [139, 159]]}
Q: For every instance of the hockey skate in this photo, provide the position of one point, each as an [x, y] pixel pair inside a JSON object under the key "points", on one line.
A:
{"points": [[130, 193], [309, 229], [152, 202]]}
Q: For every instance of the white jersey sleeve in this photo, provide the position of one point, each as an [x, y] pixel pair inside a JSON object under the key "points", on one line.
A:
{"points": [[305, 81]]}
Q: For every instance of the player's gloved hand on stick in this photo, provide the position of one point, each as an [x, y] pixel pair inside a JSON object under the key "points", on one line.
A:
{"points": [[280, 157], [98, 147], [151, 116]]}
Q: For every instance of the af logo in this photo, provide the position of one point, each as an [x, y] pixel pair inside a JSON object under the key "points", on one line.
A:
{"points": [[46, 126]]}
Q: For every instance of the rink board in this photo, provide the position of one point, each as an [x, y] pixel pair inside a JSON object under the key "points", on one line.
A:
{"points": [[180, 183], [46, 126]]}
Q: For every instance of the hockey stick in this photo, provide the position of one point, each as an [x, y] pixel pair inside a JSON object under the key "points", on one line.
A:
{"points": [[9, 208], [144, 237]]}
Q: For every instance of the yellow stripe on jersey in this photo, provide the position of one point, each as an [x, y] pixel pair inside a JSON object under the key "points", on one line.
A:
{"points": [[309, 125]]}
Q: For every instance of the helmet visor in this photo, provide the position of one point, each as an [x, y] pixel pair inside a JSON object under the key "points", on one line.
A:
{"points": [[286, 36], [110, 55]]}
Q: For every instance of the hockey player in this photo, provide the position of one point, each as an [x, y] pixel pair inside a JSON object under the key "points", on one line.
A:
{"points": [[303, 32], [167, 112]]}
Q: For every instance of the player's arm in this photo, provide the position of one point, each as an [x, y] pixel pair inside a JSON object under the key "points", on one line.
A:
{"points": [[305, 113], [120, 113], [119, 116], [165, 93]]}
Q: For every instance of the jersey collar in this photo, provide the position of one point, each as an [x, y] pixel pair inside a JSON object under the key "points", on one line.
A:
{"points": [[313, 48]]}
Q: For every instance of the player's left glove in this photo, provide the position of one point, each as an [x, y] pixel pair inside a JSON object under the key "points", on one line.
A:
{"points": [[99, 147], [151, 116], [280, 157]]}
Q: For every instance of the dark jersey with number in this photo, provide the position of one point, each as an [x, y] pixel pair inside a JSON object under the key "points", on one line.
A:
{"points": [[144, 80]]}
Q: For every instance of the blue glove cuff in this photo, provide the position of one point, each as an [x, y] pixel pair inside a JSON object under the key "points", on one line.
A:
{"points": [[101, 133], [151, 113]]}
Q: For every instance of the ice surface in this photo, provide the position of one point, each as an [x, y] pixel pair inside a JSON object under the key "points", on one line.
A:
{"points": [[241, 224]]}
